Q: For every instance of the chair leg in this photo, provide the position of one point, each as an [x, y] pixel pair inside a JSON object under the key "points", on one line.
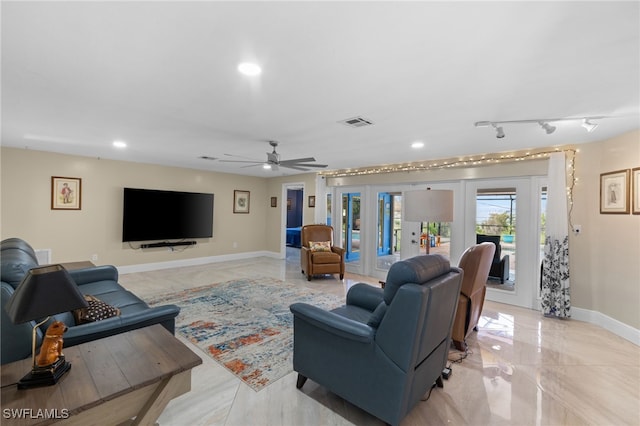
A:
{"points": [[461, 346], [301, 381], [341, 276]]}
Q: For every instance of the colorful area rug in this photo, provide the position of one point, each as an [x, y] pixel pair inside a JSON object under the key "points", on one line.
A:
{"points": [[245, 324]]}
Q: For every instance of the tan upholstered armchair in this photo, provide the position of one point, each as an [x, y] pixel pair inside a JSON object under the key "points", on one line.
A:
{"points": [[315, 261], [475, 262]]}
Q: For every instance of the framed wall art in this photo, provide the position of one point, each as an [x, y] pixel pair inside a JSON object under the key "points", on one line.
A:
{"points": [[635, 190], [274, 201], [312, 200], [241, 201], [614, 192], [66, 193]]}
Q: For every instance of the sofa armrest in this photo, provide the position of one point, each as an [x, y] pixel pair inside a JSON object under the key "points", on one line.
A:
{"points": [[365, 296], [93, 274], [333, 323], [164, 315]]}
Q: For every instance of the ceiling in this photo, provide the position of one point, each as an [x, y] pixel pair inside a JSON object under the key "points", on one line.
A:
{"points": [[162, 76]]}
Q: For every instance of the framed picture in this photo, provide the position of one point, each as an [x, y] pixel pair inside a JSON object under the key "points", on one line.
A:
{"points": [[240, 201], [312, 200], [274, 201], [635, 191], [288, 204], [66, 193], [614, 192]]}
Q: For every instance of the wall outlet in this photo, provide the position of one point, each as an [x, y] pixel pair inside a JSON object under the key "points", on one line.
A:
{"points": [[94, 257]]}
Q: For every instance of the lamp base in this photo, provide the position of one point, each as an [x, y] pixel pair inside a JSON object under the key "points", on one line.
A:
{"points": [[45, 376]]}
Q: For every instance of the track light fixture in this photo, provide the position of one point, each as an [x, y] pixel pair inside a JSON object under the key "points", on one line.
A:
{"points": [[542, 122], [547, 127]]}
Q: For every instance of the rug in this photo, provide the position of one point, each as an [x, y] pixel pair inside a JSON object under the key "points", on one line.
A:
{"points": [[245, 324]]}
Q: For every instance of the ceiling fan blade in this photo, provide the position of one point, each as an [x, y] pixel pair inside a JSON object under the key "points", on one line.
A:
{"points": [[299, 160], [307, 165], [240, 156], [241, 161], [295, 167]]}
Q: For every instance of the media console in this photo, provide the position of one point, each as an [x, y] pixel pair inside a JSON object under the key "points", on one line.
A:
{"points": [[168, 244]]}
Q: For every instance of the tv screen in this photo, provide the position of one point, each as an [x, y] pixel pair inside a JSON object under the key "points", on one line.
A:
{"points": [[162, 215]]}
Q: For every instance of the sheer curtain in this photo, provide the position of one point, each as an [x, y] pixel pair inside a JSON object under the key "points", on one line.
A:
{"points": [[556, 300]]}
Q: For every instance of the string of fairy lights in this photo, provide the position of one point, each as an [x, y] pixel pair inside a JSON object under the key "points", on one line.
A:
{"points": [[471, 161]]}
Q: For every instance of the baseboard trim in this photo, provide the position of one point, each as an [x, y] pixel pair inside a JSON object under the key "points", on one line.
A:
{"points": [[613, 325], [145, 267]]}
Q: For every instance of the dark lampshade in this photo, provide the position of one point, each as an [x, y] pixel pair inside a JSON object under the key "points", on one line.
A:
{"points": [[44, 291]]}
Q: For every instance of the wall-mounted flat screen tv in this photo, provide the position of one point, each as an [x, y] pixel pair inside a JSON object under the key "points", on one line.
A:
{"points": [[166, 215]]}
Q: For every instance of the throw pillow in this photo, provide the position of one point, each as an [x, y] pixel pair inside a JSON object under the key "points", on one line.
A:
{"points": [[320, 245], [96, 311]]}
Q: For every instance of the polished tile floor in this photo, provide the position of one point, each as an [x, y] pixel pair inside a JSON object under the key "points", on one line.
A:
{"points": [[522, 369]]}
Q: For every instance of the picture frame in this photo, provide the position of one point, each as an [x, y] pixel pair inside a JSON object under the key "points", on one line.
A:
{"points": [[614, 192], [66, 193], [635, 191], [312, 201], [288, 204], [274, 201], [241, 201]]}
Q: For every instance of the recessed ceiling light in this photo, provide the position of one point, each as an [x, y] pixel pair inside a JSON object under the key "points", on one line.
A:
{"points": [[417, 144], [266, 166], [249, 68], [119, 144]]}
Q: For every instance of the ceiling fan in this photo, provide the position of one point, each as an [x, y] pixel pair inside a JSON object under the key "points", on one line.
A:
{"points": [[273, 161]]}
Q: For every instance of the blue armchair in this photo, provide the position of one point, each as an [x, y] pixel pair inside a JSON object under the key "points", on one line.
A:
{"points": [[384, 349]]}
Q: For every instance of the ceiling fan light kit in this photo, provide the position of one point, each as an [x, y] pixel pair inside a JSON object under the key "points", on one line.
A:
{"points": [[542, 122], [273, 161]]}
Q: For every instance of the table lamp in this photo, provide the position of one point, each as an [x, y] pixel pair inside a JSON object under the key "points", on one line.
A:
{"points": [[428, 206], [44, 291]]}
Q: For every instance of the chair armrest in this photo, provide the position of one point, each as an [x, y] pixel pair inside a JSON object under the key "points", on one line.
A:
{"points": [[333, 323], [338, 250], [93, 274], [365, 296]]}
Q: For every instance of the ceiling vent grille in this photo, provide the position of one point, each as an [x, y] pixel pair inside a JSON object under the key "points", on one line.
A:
{"points": [[356, 122]]}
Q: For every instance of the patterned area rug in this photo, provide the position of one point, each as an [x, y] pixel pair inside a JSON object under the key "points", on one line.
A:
{"points": [[245, 324]]}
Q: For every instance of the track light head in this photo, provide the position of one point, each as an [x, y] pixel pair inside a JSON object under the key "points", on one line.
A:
{"points": [[499, 131], [547, 127], [589, 126]]}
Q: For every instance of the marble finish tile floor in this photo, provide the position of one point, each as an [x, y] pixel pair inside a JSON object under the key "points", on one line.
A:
{"points": [[522, 368]]}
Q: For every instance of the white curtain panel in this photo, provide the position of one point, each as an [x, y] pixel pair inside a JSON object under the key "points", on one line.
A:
{"points": [[556, 300]]}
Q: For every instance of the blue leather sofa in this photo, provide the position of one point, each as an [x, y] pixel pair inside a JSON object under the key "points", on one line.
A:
{"points": [[384, 349], [17, 257]]}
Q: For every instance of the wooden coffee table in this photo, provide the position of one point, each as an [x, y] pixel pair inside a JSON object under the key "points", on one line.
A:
{"points": [[111, 381]]}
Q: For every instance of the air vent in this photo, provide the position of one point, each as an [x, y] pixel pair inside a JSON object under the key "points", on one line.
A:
{"points": [[206, 157], [356, 122]]}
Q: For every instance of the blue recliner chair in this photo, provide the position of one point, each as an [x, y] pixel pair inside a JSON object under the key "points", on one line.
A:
{"points": [[384, 349]]}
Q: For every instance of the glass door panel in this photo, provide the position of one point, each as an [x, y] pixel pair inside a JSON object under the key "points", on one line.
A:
{"points": [[496, 222], [351, 225], [389, 229]]}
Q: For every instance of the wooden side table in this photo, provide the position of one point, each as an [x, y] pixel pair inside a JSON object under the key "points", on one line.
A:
{"points": [[112, 380]]}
